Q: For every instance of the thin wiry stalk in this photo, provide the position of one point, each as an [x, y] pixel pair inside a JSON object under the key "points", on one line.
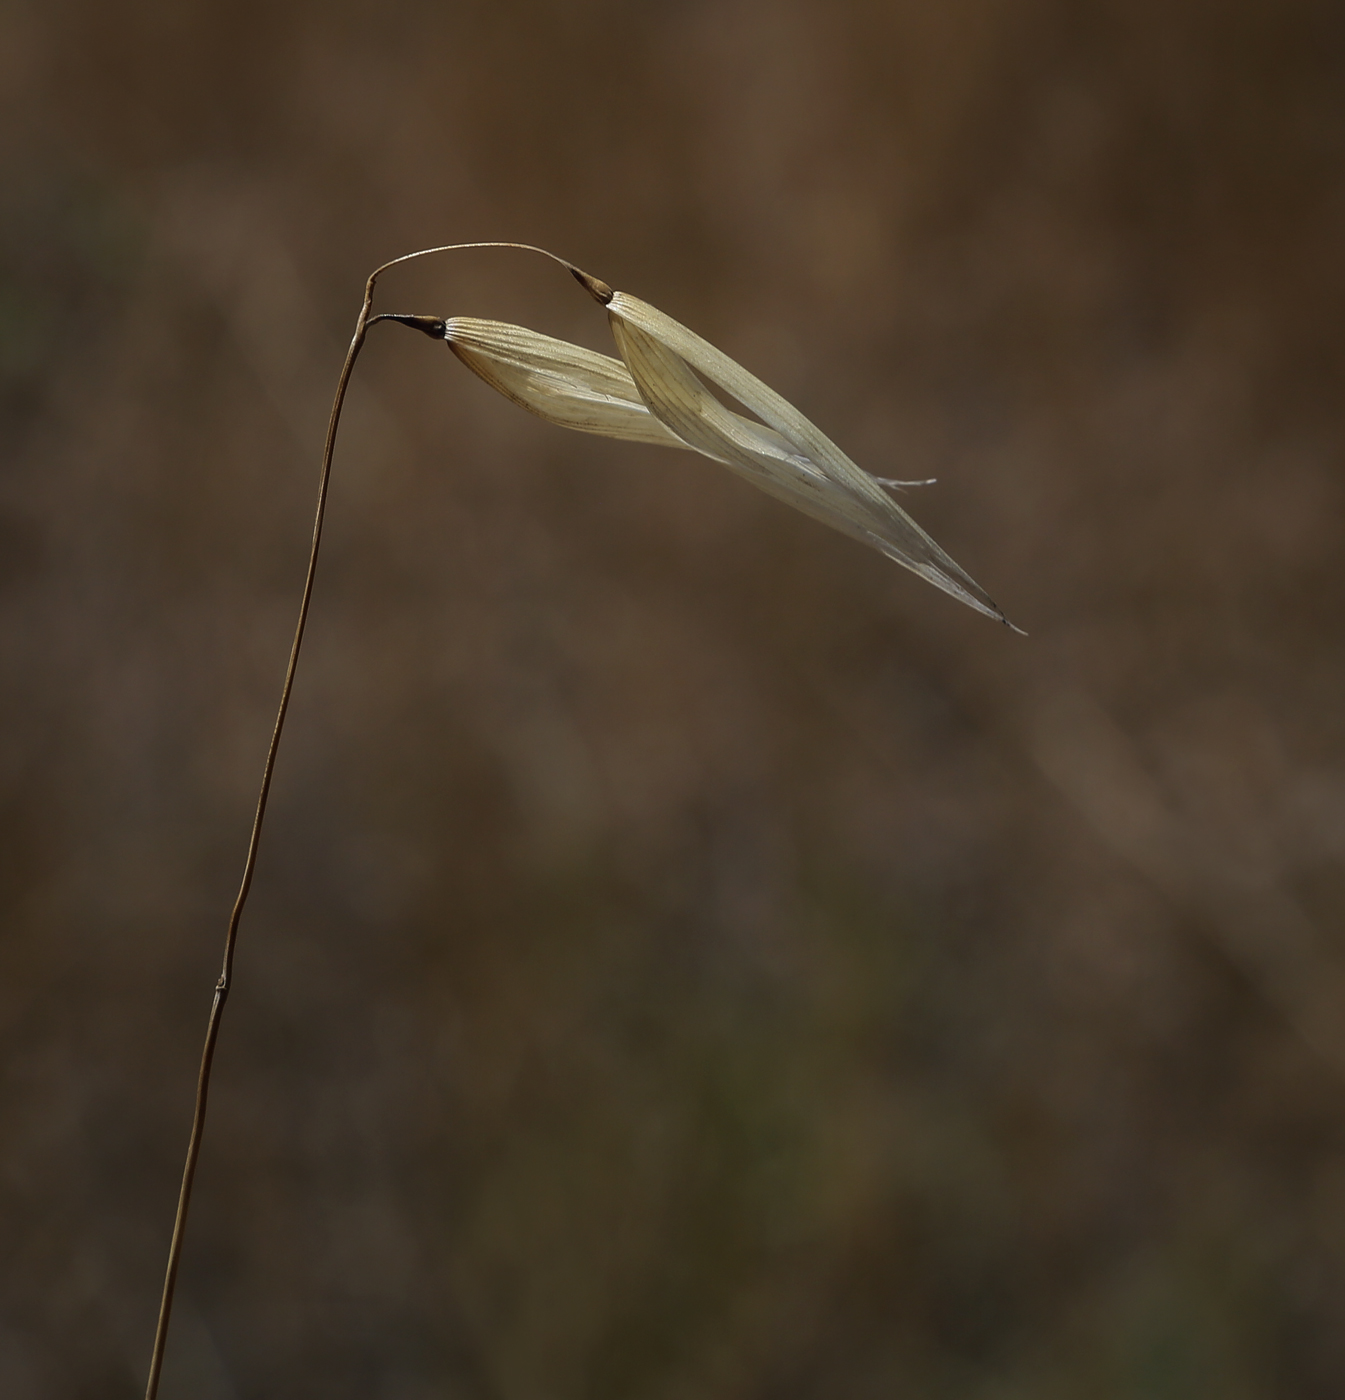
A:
{"points": [[231, 938], [249, 866]]}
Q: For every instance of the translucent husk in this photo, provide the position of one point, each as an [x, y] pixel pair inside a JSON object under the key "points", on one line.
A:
{"points": [[658, 396], [812, 473]]}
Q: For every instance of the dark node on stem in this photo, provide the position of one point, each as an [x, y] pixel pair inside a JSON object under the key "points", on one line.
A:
{"points": [[433, 326], [594, 286]]}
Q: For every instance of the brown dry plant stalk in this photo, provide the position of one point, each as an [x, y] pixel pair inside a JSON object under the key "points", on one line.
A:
{"points": [[654, 394]]}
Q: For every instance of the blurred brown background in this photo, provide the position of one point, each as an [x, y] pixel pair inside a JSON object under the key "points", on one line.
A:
{"points": [[690, 957]]}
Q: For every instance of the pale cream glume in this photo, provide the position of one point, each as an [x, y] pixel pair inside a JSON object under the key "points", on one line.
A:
{"points": [[655, 394]]}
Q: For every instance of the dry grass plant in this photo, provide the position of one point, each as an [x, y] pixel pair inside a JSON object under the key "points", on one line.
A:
{"points": [[654, 394]]}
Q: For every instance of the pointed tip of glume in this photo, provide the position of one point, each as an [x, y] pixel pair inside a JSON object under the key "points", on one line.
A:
{"points": [[433, 326], [594, 286], [992, 609]]}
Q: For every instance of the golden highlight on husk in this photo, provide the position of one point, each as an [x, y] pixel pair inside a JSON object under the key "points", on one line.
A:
{"points": [[563, 383]]}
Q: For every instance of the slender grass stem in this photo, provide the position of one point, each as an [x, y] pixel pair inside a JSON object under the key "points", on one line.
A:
{"points": [[231, 938]]}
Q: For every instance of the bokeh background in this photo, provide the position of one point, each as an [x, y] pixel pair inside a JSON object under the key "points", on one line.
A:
{"points": [[690, 957]]}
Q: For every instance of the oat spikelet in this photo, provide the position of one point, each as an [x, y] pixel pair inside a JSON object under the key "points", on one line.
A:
{"points": [[656, 393]]}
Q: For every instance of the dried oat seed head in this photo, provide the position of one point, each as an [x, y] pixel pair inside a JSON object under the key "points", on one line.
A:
{"points": [[659, 396]]}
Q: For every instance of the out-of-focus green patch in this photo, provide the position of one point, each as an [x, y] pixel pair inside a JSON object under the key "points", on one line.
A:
{"points": [[68, 248], [696, 1123], [1186, 1320]]}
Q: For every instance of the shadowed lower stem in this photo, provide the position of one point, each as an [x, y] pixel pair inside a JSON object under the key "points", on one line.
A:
{"points": [[231, 938]]}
